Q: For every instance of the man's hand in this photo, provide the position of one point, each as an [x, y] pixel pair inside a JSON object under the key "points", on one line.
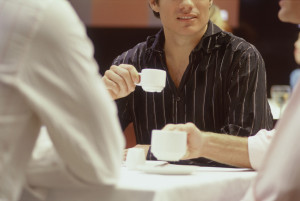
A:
{"points": [[120, 80], [195, 139]]}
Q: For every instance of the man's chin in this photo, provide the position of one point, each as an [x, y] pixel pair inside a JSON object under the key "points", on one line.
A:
{"points": [[283, 16], [288, 17]]}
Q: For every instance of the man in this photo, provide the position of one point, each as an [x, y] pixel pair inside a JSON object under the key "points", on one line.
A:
{"points": [[214, 79], [279, 177], [48, 77]]}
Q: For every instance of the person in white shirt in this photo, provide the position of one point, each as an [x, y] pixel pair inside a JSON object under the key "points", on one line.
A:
{"points": [[48, 76], [232, 150], [279, 176]]}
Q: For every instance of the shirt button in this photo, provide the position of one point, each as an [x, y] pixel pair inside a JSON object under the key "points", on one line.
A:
{"points": [[178, 99]]}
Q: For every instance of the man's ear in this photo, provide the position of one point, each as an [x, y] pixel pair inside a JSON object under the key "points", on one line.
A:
{"points": [[210, 3], [153, 5]]}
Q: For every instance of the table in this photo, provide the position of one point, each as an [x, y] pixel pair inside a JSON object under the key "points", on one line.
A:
{"points": [[206, 183]]}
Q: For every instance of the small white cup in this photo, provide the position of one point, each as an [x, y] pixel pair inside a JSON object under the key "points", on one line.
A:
{"points": [[135, 157], [168, 145], [152, 80]]}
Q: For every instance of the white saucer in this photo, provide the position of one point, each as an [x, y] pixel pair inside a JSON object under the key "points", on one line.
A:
{"points": [[168, 169]]}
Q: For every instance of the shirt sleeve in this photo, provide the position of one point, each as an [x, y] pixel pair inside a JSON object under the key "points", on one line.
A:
{"points": [[249, 110], [61, 83], [278, 178], [124, 108], [257, 147], [125, 104]]}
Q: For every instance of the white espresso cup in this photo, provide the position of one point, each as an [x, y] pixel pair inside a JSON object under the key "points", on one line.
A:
{"points": [[152, 80], [168, 145], [135, 157]]}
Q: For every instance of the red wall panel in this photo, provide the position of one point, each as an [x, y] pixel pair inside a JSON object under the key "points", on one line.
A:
{"points": [[119, 13]]}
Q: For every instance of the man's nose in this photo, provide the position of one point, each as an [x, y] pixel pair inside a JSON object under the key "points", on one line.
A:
{"points": [[186, 5]]}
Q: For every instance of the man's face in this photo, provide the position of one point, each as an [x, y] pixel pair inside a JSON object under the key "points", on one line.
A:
{"points": [[297, 50], [289, 11], [183, 17]]}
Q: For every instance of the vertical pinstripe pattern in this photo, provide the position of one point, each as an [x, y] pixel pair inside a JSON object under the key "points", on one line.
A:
{"points": [[125, 56], [213, 94], [146, 112], [174, 117], [194, 98], [154, 112], [134, 118], [223, 89], [247, 84], [176, 113], [164, 108], [140, 59], [204, 96]]}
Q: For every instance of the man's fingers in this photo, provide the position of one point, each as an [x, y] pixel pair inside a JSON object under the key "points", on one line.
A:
{"points": [[169, 127], [116, 74], [120, 80], [187, 155], [125, 74], [111, 85], [135, 77]]}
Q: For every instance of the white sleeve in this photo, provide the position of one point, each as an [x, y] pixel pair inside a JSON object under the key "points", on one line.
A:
{"points": [[258, 145], [279, 176], [62, 85]]}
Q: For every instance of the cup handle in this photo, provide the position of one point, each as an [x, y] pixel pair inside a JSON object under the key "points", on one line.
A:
{"points": [[139, 84]]}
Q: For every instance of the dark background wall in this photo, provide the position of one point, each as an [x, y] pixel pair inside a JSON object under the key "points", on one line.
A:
{"points": [[273, 38], [259, 25], [111, 42]]}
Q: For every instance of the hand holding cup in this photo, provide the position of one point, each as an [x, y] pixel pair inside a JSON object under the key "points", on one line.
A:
{"points": [[168, 145]]}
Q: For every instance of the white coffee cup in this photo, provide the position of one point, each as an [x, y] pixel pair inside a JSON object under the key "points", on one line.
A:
{"points": [[135, 157], [168, 145], [152, 80]]}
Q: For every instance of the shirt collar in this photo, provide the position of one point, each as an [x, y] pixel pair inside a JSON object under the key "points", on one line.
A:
{"points": [[213, 38], [156, 43]]}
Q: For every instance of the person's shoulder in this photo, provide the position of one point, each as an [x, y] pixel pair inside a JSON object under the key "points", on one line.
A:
{"points": [[239, 44], [60, 25], [132, 55], [246, 45], [139, 48], [61, 14]]}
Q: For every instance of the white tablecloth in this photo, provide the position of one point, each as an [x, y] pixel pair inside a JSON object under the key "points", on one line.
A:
{"points": [[207, 184]]}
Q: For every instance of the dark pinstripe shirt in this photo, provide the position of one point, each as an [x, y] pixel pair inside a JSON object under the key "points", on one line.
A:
{"points": [[223, 89]]}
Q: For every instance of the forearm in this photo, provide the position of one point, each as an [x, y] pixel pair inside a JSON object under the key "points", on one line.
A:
{"points": [[227, 149]]}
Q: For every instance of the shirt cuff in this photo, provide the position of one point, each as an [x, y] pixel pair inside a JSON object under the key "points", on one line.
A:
{"points": [[257, 147]]}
